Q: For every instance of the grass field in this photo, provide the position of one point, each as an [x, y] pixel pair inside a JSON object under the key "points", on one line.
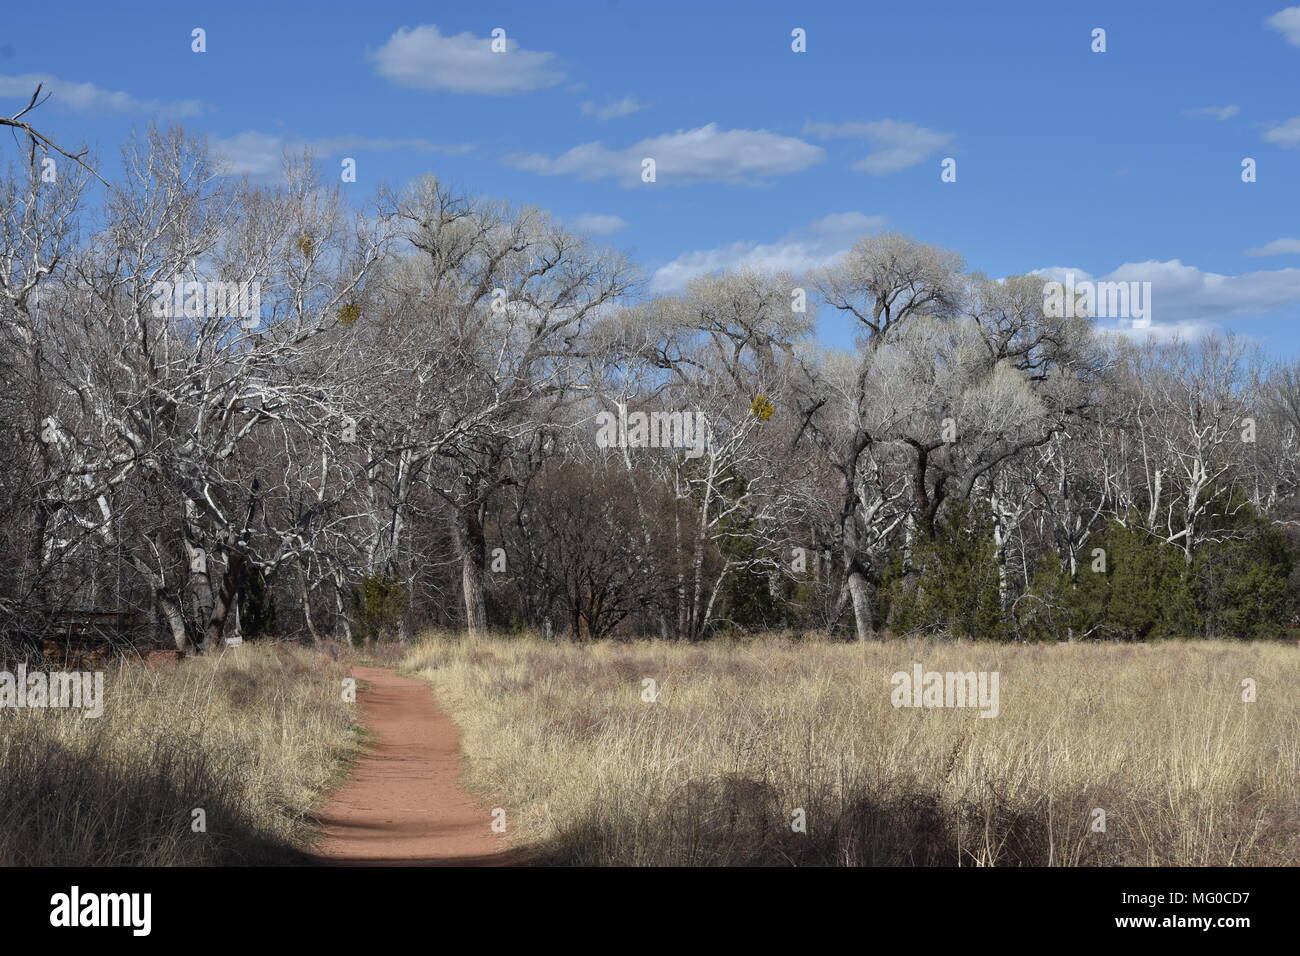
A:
{"points": [[253, 737], [742, 735]]}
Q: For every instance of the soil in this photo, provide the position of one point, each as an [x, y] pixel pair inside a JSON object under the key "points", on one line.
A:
{"points": [[404, 804]]}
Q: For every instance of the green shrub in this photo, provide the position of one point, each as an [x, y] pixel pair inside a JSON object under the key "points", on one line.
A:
{"points": [[953, 586], [1132, 585], [1242, 586], [378, 603]]}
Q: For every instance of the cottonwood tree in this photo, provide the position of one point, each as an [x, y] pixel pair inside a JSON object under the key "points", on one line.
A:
{"points": [[38, 235], [180, 388], [505, 297], [720, 354], [1182, 440], [1273, 456], [884, 283]]}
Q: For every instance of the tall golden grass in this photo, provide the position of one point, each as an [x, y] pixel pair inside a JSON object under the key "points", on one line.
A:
{"points": [[253, 737], [742, 735]]}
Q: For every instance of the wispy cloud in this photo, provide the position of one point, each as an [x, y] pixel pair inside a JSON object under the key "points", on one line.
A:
{"points": [[1287, 23], [1213, 112], [260, 154], [1286, 135], [1278, 247], [89, 98], [815, 245], [624, 107], [599, 224], [421, 58], [1164, 332], [896, 145], [704, 155]]}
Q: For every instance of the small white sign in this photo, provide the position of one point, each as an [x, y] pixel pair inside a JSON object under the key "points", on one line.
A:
{"points": [[234, 641]]}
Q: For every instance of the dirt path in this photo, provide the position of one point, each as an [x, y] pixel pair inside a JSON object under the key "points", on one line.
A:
{"points": [[404, 804]]}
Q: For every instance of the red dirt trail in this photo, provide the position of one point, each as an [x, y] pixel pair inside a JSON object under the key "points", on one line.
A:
{"points": [[403, 804]]}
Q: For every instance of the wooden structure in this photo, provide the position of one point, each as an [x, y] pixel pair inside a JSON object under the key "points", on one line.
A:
{"points": [[78, 638]]}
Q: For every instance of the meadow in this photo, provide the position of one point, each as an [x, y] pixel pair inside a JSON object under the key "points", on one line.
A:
{"points": [[1101, 754], [254, 738]]}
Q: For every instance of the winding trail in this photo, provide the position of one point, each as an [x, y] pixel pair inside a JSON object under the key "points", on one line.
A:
{"points": [[404, 804]]}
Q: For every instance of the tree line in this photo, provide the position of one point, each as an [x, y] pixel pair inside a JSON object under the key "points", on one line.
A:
{"points": [[411, 426]]}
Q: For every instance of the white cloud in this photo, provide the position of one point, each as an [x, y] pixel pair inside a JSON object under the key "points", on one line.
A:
{"points": [[248, 154], [848, 225], [421, 58], [259, 154], [1287, 23], [1215, 112], [1278, 247], [896, 145], [1183, 295], [815, 245], [707, 154], [624, 107], [599, 224], [1286, 135], [1167, 332], [89, 98]]}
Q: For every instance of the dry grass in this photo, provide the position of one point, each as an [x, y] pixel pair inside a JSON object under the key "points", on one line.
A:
{"points": [[253, 737], [742, 734]]}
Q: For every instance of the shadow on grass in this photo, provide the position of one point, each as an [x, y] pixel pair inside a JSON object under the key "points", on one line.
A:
{"points": [[94, 807], [734, 820]]}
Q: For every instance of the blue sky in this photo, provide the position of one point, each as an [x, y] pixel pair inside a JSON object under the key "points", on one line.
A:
{"points": [[1126, 160]]}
